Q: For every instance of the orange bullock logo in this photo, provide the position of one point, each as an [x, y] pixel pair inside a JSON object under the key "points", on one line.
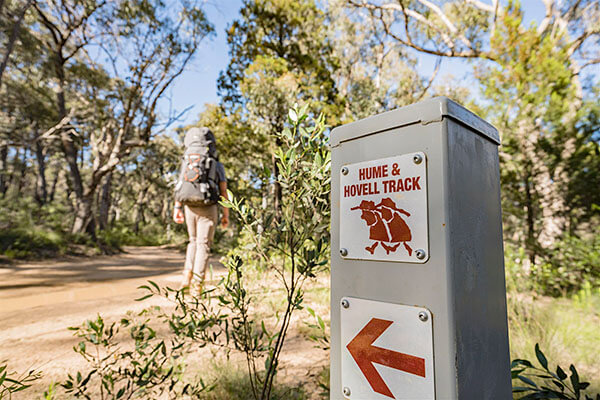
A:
{"points": [[386, 225]]}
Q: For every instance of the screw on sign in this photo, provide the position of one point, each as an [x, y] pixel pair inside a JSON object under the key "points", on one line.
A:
{"points": [[365, 354], [386, 225]]}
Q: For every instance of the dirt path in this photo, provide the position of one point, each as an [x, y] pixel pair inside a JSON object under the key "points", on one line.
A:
{"points": [[39, 300]]}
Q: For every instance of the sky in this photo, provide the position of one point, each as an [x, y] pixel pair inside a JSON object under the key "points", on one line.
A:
{"points": [[197, 86]]}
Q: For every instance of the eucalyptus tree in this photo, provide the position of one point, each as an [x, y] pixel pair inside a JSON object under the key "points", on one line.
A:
{"points": [[145, 46], [375, 72], [532, 76], [12, 15], [279, 54]]}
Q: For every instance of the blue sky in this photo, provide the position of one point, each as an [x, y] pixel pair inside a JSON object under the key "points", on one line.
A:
{"points": [[198, 84]]}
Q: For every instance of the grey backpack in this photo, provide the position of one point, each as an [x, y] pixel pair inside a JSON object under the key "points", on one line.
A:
{"points": [[198, 183]]}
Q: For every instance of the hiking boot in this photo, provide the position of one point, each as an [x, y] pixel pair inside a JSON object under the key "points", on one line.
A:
{"points": [[196, 288], [186, 279]]}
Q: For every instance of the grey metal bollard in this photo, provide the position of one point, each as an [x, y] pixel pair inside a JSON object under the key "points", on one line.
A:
{"points": [[418, 298]]}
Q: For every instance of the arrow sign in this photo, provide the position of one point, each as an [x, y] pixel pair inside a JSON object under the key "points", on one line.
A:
{"points": [[365, 354]]}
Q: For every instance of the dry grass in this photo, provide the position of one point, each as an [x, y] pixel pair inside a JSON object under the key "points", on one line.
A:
{"points": [[567, 330]]}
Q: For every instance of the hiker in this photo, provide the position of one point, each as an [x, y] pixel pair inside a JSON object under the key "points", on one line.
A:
{"points": [[200, 186], [386, 225]]}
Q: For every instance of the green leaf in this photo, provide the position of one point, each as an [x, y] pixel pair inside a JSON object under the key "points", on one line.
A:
{"points": [[558, 384], [560, 373], [574, 379], [527, 380], [521, 362], [144, 297], [541, 357], [516, 372], [293, 116]]}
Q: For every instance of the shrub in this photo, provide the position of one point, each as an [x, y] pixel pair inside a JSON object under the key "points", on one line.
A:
{"points": [[11, 383], [568, 267], [149, 368], [571, 263], [28, 242], [549, 385]]}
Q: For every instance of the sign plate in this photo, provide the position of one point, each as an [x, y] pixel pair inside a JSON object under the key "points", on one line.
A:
{"points": [[387, 351], [383, 213]]}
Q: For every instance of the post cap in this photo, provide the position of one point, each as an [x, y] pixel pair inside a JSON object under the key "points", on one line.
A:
{"points": [[424, 112]]}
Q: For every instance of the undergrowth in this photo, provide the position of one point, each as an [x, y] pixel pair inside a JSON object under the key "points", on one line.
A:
{"points": [[566, 328]]}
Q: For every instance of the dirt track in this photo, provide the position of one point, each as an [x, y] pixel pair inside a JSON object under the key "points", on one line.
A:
{"points": [[39, 300]]}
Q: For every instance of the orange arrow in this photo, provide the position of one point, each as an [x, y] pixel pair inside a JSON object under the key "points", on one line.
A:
{"points": [[365, 354]]}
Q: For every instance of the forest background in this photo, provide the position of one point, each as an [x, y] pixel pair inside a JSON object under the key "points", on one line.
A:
{"points": [[90, 141]]}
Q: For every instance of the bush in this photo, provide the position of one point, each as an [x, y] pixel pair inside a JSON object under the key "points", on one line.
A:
{"points": [[11, 383], [27, 243], [122, 235], [567, 268], [572, 262], [543, 383], [149, 368]]}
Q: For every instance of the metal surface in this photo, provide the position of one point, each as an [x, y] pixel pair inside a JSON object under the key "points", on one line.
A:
{"points": [[424, 113], [383, 204], [462, 281], [387, 351]]}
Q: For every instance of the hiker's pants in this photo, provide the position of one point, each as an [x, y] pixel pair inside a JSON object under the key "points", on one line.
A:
{"points": [[201, 222]]}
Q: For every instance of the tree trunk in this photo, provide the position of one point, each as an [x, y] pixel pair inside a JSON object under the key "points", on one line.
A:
{"points": [[105, 199], [84, 219], [166, 210], [13, 36], [83, 204], [41, 190], [276, 188], [531, 240], [53, 186], [3, 168], [138, 215], [22, 172], [14, 168]]}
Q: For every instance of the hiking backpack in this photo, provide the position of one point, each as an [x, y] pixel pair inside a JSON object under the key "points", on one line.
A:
{"points": [[198, 183]]}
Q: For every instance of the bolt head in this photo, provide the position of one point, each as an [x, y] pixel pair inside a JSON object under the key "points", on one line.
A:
{"points": [[423, 316], [346, 391], [345, 303], [417, 159], [344, 170], [344, 252], [420, 254]]}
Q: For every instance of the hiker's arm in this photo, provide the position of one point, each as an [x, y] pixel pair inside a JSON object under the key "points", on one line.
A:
{"points": [[178, 216], [223, 190]]}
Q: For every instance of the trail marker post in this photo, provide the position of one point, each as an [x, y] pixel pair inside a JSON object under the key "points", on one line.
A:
{"points": [[418, 298]]}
